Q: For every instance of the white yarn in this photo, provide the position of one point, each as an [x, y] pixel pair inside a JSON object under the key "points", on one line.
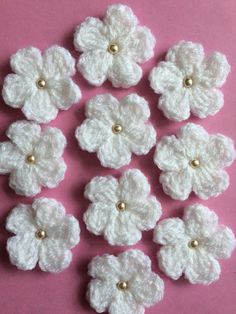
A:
{"points": [[145, 288], [135, 45], [187, 60], [55, 67], [199, 265], [121, 227], [174, 155], [46, 147], [51, 253], [96, 135]]}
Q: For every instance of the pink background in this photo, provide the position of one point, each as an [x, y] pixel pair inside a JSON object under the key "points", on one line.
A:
{"points": [[43, 23]]}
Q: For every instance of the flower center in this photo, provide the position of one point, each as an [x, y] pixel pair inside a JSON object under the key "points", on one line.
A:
{"points": [[122, 285], [40, 234], [193, 244], [121, 206], [195, 163], [30, 159], [41, 83], [113, 48], [188, 82], [117, 128]]}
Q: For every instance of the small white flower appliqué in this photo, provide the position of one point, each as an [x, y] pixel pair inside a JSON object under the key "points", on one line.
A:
{"points": [[116, 129], [41, 85], [122, 208], [192, 246], [112, 48], [188, 81], [123, 284], [44, 234], [194, 161], [32, 158]]}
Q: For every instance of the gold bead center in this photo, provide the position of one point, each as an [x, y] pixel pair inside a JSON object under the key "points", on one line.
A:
{"points": [[195, 163], [193, 244], [113, 48], [41, 83], [31, 159], [121, 206], [188, 82], [117, 128], [40, 234], [122, 285]]}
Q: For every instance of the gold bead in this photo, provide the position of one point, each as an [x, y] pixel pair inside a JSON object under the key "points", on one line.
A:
{"points": [[40, 234], [117, 128], [188, 82], [41, 83], [195, 163], [122, 285], [194, 244], [121, 206], [31, 159], [113, 49]]}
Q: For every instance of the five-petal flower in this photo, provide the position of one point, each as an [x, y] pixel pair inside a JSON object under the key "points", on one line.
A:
{"points": [[123, 284], [188, 81], [112, 48], [194, 161], [32, 158], [41, 85], [44, 234], [192, 246]]}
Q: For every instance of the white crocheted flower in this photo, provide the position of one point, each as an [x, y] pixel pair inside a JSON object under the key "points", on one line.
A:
{"points": [[32, 158], [188, 81], [41, 85], [122, 208], [192, 246], [44, 234], [194, 161], [112, 48], [116, 129], [124, 284]]}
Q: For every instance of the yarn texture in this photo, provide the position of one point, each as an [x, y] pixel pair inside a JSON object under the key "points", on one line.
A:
{"points": [[116, 129], [143, 287], [194, 161], [188, 81], [122, 208], [192, 245], [112, 48], [41, 85], [32, 158], [44, 234]]}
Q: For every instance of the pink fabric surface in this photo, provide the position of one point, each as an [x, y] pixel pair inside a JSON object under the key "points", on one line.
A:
{"points": [[44, 23]]}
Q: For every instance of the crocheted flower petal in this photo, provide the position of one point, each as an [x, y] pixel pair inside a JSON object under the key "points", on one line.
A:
{"points": [[172, 260], [202, 268], [10, 157], [52, 257], [169, 231], [166, 77], [24, 135], [96, 217], [134, 109], [64, 93], [145, 213], [114, 153], [200, 221], [175, 105], [133, 185], [21, 220], [57, 63], [205, 102], [100, 294], [193, 137], [40, 108], [170, 154], [88, 35], [106, 267], [140, 44], [91, 134], [186, 55], [178, 185], [125, 304], [222, 243], [220, 151], [16, 89], [124, 72], [24, 182], [27, 62], [94, 66], [209, 183], [132, 262], [23, 251], [214, 70]]}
